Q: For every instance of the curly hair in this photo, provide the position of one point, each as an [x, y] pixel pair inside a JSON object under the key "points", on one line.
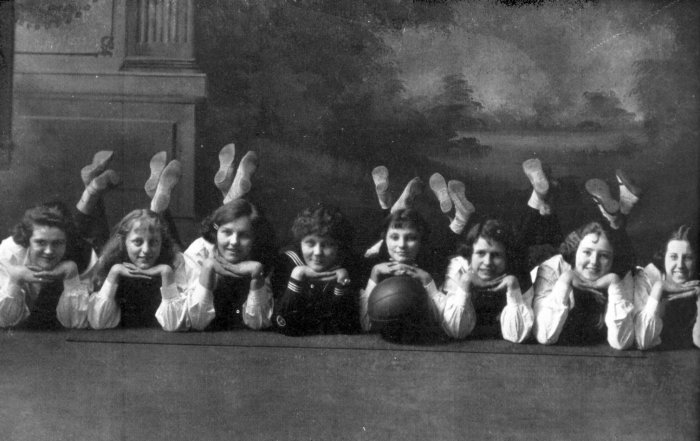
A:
{"points": [[52, 214], [264, 239], [323, 220], [495, 230], [683, 233], [115, 251]]}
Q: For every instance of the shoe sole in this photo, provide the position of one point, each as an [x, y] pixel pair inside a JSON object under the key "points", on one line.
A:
{"points": [[157, 164], [412, 189], [456, 190], [224, 176], [98, 165], [168, 180], [600, 191], [534, 172], [439, 186], [242, 181]]}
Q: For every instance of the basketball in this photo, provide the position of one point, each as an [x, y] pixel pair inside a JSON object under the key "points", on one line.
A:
{"points": [[395, 299]]}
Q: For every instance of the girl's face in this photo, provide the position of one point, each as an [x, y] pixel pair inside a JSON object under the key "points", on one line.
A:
{"points": [[47, 246], [403, 243], [594, 256], [143, 244], [488, 259], [679, 261], [234, 240], [320, 252]]}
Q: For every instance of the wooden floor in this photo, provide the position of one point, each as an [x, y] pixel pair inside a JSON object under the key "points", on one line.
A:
{"points": [[60, 386]]}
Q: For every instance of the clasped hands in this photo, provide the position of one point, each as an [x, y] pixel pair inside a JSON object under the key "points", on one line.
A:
{"points": [[306, 273], [471, 281], [671, 290], [389, 269], [34, 274], [128, 269]]}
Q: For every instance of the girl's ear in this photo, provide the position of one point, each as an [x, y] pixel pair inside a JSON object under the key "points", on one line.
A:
{"points": [[215, 226]]}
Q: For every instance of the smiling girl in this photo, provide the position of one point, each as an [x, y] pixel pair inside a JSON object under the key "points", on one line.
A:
{"points": [[666, 295], [579, 297], [403, 253], [141, 278], [313, 283], [235, 254], [40, 285]]}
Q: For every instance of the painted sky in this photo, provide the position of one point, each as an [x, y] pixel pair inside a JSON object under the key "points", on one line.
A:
{"points": [[514, 57]]}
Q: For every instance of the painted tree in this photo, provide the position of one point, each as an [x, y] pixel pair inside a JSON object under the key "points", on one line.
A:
{"points": [[454, 107]]}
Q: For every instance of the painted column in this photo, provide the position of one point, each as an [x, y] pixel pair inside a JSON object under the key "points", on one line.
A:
{"points": [[159, 35]]}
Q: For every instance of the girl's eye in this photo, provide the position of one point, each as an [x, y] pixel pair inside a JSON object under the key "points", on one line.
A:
{"points": [[394, 237]]}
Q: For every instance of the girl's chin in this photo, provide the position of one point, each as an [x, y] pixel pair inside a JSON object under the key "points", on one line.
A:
{"points": [[679, 279]]}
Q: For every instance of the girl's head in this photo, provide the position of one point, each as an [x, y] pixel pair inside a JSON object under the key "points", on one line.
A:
{"points": [[589, 250], [142, 238], [491, 249], [46, 231], [404, 232], [678, 256], [324, 236], [239, 232]]}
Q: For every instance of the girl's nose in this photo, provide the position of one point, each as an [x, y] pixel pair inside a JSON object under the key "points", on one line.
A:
{"points": [[234, 238], [317, 249]]}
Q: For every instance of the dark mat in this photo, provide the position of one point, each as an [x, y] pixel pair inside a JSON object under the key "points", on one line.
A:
{"points": [[372, 342]]}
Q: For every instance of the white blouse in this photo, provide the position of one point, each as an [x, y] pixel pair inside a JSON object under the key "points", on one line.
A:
{"points": [[257, 309], [104, 312], [516, 319], [551, 313], [72, 307]]}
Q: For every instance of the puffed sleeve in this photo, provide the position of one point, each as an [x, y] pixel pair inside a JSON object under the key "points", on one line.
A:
{"points": [[200, 306], [619, 317], [696, 327], [365, 322], [199, 251], [172, 312], [550, 312], [72, 308], [647, 321], [257, 310], [458, 315], [13, 308], [103, 311], [517, 317]]}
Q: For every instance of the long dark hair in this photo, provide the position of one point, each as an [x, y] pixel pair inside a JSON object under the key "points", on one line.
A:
{"points": [[115, 252], [264, 242], [683, 233]]}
